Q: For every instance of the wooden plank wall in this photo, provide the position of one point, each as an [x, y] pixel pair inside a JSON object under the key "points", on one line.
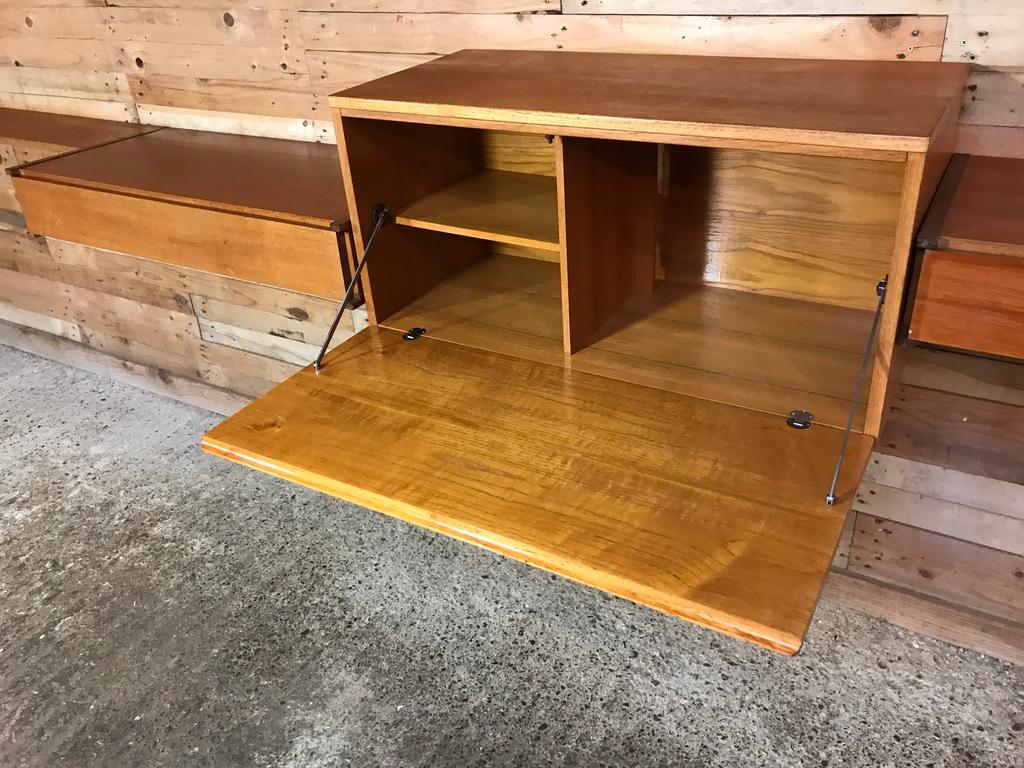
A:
{"points": [[264, 67], [208, 340], [935, 540]]}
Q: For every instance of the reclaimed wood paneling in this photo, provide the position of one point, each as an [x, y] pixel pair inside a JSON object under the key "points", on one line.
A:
{"points": [[940, 566], [992, 39], [967, 434], [959, 521], [832, 37], [951, 623], [225, 55]]}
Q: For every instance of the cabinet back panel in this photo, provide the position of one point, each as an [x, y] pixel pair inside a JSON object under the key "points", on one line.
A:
{"points": [[799, 226], [518, 152]]}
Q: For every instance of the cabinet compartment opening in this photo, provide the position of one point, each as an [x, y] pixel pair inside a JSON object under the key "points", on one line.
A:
{"points": [[763, 272], [473, 251]]}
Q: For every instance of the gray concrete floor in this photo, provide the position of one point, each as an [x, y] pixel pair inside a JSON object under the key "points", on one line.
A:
{"points": [[161, 607]]}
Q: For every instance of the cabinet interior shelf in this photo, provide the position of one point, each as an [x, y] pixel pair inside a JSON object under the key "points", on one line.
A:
{"points": [[500, 206]]}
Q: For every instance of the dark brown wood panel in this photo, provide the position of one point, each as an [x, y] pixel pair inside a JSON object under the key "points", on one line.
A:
{"points": [[290, 256], [292, 180], [970, 301], [709, 512], [987, 213], [970, 434], [854, 104], [63, 130], [608, 199]]}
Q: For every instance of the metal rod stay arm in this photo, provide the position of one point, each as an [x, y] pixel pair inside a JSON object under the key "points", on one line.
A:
{"points": [[830, 499], [380, 217]]}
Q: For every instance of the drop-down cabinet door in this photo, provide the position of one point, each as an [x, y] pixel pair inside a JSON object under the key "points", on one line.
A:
{"points": [[709, 512]]}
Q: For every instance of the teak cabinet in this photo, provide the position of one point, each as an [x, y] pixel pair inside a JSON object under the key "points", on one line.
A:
{"points": [[631, 270], [251, 208], [968, 276]]}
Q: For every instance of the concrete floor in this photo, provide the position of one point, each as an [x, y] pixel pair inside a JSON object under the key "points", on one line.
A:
{"points": [[161, 607]]}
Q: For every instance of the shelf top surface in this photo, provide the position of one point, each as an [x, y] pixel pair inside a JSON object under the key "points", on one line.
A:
{"points": [[709, 512], [855, 104], [292, 180], [63, 130], [987, 211]]}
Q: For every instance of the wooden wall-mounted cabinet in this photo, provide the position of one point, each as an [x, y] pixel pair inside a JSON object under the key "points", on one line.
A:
{"points": [[263, 210], [968, 287], [631, 270]]}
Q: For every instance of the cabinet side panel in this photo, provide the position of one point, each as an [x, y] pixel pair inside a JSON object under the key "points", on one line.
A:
{"points": [[396, 164], [885, 372]]}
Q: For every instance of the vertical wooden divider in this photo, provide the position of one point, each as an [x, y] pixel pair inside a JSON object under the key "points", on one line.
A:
{"points": [[397, 163], [607, 218]]}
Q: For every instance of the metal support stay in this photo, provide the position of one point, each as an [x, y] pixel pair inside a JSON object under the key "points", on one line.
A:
{"points": [[380, 217], [830, 499]]}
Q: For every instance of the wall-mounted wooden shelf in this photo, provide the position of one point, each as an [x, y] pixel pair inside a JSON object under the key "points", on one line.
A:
{"points": [[715, 229], [969, 274], [264, 210]]}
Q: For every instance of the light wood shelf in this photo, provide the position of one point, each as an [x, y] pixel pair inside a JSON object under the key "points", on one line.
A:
{"points": [[761, 352], [500, 206]]}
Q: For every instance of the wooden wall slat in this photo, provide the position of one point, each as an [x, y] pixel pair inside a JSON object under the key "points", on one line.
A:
{"points": [[333, 71], [995, 96], [830, 37], [985, 37], [940, 566], [765, 7], [270, 65], [432, 6]]}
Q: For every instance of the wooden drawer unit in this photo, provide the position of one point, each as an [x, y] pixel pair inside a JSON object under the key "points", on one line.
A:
{"points": [[263, 210], [970, 301], [968, 291], [611, 347]]}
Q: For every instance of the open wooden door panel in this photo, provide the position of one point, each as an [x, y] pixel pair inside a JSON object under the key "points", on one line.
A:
{"points": [[706, 511]]}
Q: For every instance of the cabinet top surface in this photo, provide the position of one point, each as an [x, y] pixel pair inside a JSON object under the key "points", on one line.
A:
{"points": [[63, 130], [856, 104], [293, 180]]}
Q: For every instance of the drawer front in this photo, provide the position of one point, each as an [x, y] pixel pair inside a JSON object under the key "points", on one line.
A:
{"points": [[290, 256], [970, 301]]}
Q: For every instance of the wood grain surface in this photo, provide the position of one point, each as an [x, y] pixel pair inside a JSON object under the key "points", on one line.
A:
{"points": [[760, 352], [855, 104], [66, 131], [607, 202], [290, 256], [290, 180], [987, 212], [501, 206], [815, 228], [711, 513], [971, 301]]}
